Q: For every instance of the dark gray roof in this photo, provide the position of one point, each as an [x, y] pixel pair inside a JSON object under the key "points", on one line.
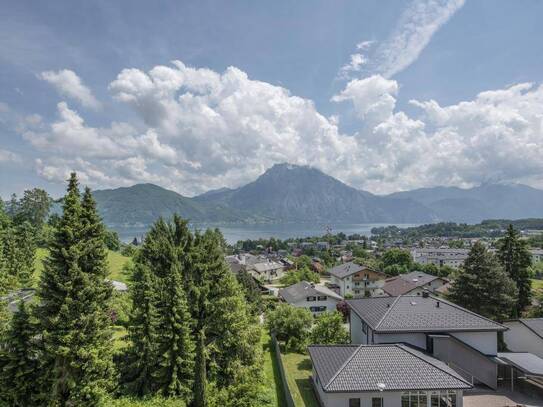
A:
{"points": [[410, 313], [299, 291], [404, 283], [534, 324], [528, 363], [346, 269], [356, 368]]}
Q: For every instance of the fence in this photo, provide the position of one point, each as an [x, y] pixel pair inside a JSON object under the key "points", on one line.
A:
{"points": [[282, 374]]}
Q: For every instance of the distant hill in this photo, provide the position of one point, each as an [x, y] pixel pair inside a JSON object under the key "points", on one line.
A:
{"points": [[488, 201], [290, 193]]}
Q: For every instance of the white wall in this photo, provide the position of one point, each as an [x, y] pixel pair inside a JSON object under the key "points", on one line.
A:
{"points": [[330, 304], [414, 338], [485, 342], [521, 339]]}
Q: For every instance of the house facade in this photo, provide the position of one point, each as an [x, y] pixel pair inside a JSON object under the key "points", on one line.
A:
{"points": [[358, 281], [461, 338], [525, 335], [383, 376], [440, 256], [314, 297]]}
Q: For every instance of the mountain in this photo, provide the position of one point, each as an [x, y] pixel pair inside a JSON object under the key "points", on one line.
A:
{"points": [[142, 204], [289, 193], [488, 201]]}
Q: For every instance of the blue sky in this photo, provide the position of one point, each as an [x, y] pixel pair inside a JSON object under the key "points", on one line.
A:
{"points": [[385, 96]]}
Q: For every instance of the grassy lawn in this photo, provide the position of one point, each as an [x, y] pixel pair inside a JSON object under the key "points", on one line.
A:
{"points": [[271, 372], [298, 370], [537, 284], [119, 333], [115, 259]]}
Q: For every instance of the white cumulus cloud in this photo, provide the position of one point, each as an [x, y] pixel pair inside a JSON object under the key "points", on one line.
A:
{"points": [[68, 84]]}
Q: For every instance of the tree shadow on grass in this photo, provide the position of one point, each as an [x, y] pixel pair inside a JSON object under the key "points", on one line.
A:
{"points": [[305, 389], [276, 375], [305, 364]]}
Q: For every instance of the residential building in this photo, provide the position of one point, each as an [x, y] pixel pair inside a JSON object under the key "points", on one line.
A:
{"points": [[466, 341], [525, 335], [316, 298], [383, 376], [440, 256], [266, 270], [322, 245], [537, 255], [414, 283], [356, 280]]}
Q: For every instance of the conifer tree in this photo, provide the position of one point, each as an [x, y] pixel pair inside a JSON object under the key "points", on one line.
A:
{"points": [[72, 311], [19, 361], [142, 354], [165, 252], [515, 257], [483, 286]]}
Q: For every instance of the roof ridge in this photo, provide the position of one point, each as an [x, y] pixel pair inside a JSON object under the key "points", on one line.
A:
{"points": [[387, 312], [452, 304], [523, 322], [342, 367], [411, 351]]}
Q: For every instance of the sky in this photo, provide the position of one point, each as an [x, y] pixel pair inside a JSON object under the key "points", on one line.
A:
{"points": [[192, 96]]}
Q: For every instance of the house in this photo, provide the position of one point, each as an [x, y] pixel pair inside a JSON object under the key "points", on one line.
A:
{"points": [[464, 340], [383, 376], [537, 255], [322, 245], [316, 298], [440, 256], [356, 280], [525, 335], [414, 283], [266, 270]]}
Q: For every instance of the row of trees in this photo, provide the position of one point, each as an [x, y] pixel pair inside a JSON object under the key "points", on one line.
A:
{"points": [[191, 336], [496, 286]]}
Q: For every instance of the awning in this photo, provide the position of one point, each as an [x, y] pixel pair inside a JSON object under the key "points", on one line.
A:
{"points": [[528, 363]]}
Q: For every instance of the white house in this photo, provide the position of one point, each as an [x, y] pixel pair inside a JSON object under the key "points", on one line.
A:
{"points": [[464, 340], [316, 298], [440, 256], [525, 335], [414, 283], [356, 280], [383, 376]]}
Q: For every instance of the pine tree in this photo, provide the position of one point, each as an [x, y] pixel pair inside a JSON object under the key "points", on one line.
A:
{"points": [[72, 312], [516, 259], [483, 286], [232, 336], [19, 361], [165, 252], [142, 354]]}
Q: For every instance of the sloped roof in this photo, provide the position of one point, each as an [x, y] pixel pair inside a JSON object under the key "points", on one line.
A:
{"points": [[404, 283], [299, 291], [356, 368], [346, 269], [526, 362], [267, 265], [410, 313]]}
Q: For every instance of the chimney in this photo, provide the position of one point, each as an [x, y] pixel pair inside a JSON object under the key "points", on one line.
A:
{"points": [[425, 294], [437, 304]]}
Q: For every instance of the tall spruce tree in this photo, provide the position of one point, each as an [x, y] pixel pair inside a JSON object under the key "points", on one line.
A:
{"points": [[483, 286], [516, 259], [142, 333], [19, 361], [73, 304], [224, 325], [165, 253]]}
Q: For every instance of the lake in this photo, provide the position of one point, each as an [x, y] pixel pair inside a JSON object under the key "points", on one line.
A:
{"points": [[233, 233]]}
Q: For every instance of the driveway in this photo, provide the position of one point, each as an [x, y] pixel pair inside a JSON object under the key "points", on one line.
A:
{"points": [[489, 398]]}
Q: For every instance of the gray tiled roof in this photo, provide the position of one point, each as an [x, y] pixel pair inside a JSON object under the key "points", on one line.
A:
{"points": [[404, 283], [345, 269], [410, 313], [299, 291], [356, 368]]}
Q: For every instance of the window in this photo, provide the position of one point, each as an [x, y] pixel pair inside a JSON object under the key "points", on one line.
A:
{"points": [[310, 298], [417, 399], [354, 402], [317, 309], [376, 402], [322, 297], [364, 327]]}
